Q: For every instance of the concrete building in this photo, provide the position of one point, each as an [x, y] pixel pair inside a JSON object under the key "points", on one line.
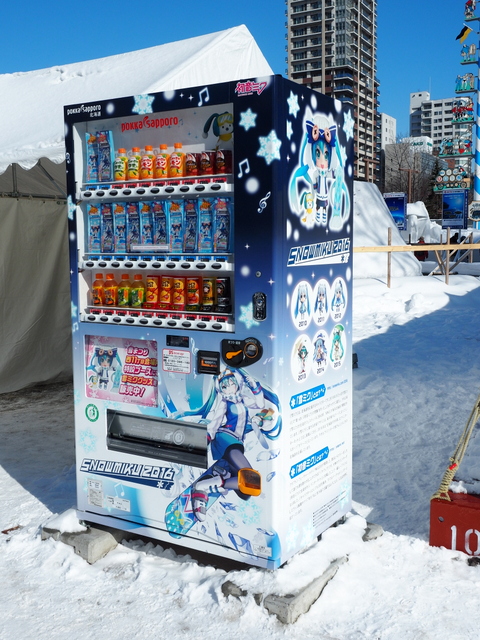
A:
{"points": [[388, 130], [332, 47], [433, 118]]}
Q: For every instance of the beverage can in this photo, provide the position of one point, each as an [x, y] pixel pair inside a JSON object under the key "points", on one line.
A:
{"points": [[166, 286], [194, 291], [178, 295], [224, 301], [207, 163], [208, 294], [223, 161], [191, 164], [153, 292]]}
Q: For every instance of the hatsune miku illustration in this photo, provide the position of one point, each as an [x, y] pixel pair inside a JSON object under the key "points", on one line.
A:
{"points": [[338, 300], [337, 351], [105, 369], [320, 309], [320, 353], [237, 406], [320, 171], [301, 304]]}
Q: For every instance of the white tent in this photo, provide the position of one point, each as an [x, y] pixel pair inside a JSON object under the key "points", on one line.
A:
{"points": [[34, 279]]}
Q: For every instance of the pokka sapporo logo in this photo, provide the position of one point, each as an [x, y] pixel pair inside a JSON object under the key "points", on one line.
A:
{"points": [[247, 88], [150, 123]]}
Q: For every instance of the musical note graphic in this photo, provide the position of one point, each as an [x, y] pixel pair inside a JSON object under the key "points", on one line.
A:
{"points": [[247, 167], [122, 492], [263, 202], [207, 96]]}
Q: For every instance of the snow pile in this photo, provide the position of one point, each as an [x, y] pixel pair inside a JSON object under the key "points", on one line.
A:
{"points": [[419, 224], [371, 221]]}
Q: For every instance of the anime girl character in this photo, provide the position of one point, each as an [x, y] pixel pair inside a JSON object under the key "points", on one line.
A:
{"points": [[320, 352], [237, 405], [321, 168], [321, 302], [106, 367], [302, 304], [337, 351], [338, 300], [302, 355]]}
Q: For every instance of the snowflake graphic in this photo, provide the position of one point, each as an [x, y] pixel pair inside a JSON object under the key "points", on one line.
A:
{"points": [[293, 107], [269, 147], [250, 512], [71, 206], [280, 362], [73, 310], [291, 538], [246, 316], [289, 129], [143, 104], [88, 441], [247, 119], [77, 397], [308, 535], [344, 495], [348, 125]]}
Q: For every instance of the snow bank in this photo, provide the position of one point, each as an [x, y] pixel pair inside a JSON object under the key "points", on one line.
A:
{"points": [[371, 221]]}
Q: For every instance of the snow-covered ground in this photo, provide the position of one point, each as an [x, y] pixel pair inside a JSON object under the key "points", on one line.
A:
{"points": [[419, 363]]}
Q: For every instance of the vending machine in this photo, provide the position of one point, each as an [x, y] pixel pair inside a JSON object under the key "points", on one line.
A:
{"points": [[211, 277]]}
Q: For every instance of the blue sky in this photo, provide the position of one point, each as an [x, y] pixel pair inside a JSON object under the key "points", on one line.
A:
{"points": [[417, 50]]}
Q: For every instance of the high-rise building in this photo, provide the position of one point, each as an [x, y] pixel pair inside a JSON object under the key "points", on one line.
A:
{"points": [[433, 118], [332, 47]]}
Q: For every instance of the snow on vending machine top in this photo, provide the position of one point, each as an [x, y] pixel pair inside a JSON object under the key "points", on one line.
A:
{"points": [[211, 312]]}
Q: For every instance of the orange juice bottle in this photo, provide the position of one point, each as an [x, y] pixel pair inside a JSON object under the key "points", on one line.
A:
{"points": [[133, 168], [147, 164], [98, 294], [124, 291], [110, 289], [176, 165], [120, 165], [162, 160], [137, 292]]}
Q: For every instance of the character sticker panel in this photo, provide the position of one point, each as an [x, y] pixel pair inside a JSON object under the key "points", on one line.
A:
{"points": [[302, 305], [121, 370], [301, 358], [321, 303], [338, 299]]}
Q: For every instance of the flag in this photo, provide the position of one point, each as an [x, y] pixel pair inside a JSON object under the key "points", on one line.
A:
{"points": [[463, 34]]}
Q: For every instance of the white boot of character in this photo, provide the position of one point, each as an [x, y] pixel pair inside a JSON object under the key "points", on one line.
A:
{"points": [[204, 487]]}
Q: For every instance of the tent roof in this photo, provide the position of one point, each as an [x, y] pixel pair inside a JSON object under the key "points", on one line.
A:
{"points": [[32, 127]]}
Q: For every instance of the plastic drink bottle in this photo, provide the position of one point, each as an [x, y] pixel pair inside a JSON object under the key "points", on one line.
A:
{"points": [[98, 295], [124, 291], [120, 165], [133, 169], [110, 289], [147, 164], [176, 166], [137, 292], [161, 162]]}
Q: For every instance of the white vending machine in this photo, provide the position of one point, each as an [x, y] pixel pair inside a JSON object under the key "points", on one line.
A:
{"points": [[211, 272]]}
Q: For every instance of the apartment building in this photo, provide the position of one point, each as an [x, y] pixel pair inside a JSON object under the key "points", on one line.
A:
{"points": [[433, 118], [332, 47]]}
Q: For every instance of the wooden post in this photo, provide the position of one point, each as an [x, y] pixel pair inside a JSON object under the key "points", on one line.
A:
{"points": [[389, 258], [447, 257], [470, 255]]}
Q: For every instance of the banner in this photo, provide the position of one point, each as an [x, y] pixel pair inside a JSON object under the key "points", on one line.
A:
{"points": [[455, 209], [397, 205]]}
